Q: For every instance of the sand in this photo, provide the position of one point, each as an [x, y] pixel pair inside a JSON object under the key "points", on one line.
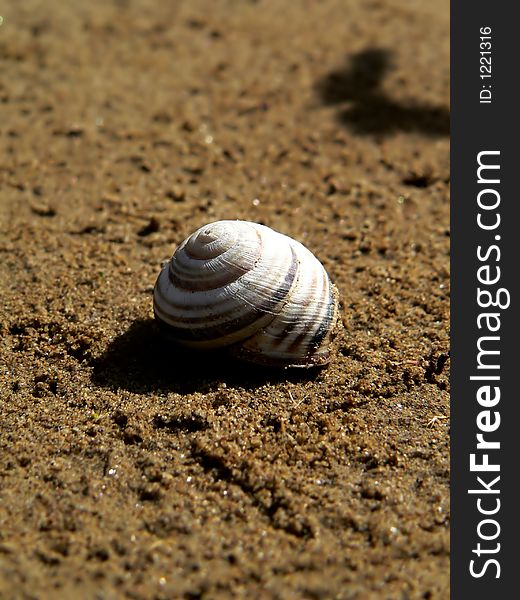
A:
{"points": [[130, 469]]}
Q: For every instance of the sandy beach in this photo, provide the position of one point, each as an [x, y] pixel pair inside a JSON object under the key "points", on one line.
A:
{"points": [[132, 469]]}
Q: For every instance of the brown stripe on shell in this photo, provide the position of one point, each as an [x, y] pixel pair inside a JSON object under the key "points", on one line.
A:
{"points": [[297, 342], [208, 334], [205, 284], [290, 327], [276, 298], [326, 326], [161, 299], [179, 279], [317, 355], [300, 352]]}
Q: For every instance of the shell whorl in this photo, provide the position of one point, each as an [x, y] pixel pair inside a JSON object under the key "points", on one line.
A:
{"points": [[243, 285]]}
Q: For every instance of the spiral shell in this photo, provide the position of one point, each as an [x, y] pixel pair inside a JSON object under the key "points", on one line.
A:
{"points": [[241, 285]]}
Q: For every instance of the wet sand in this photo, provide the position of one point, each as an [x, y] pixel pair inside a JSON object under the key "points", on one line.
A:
{"points": [[130, 469]]}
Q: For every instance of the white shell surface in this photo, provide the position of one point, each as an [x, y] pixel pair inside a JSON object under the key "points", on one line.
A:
{"points": [[241, 284]]}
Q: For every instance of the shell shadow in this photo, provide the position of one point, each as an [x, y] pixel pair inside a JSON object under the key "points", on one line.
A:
{"points": [[142, 360], [365, 108]]}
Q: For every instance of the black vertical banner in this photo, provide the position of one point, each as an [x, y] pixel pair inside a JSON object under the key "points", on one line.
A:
{"points": [[485, 171]]}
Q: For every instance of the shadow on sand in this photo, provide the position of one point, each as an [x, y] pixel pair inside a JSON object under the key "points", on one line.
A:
{"points": [[142, 360], [367, 110]]}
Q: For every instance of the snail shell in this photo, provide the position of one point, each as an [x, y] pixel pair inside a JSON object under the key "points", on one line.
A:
{"points": [[244, 286]]}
